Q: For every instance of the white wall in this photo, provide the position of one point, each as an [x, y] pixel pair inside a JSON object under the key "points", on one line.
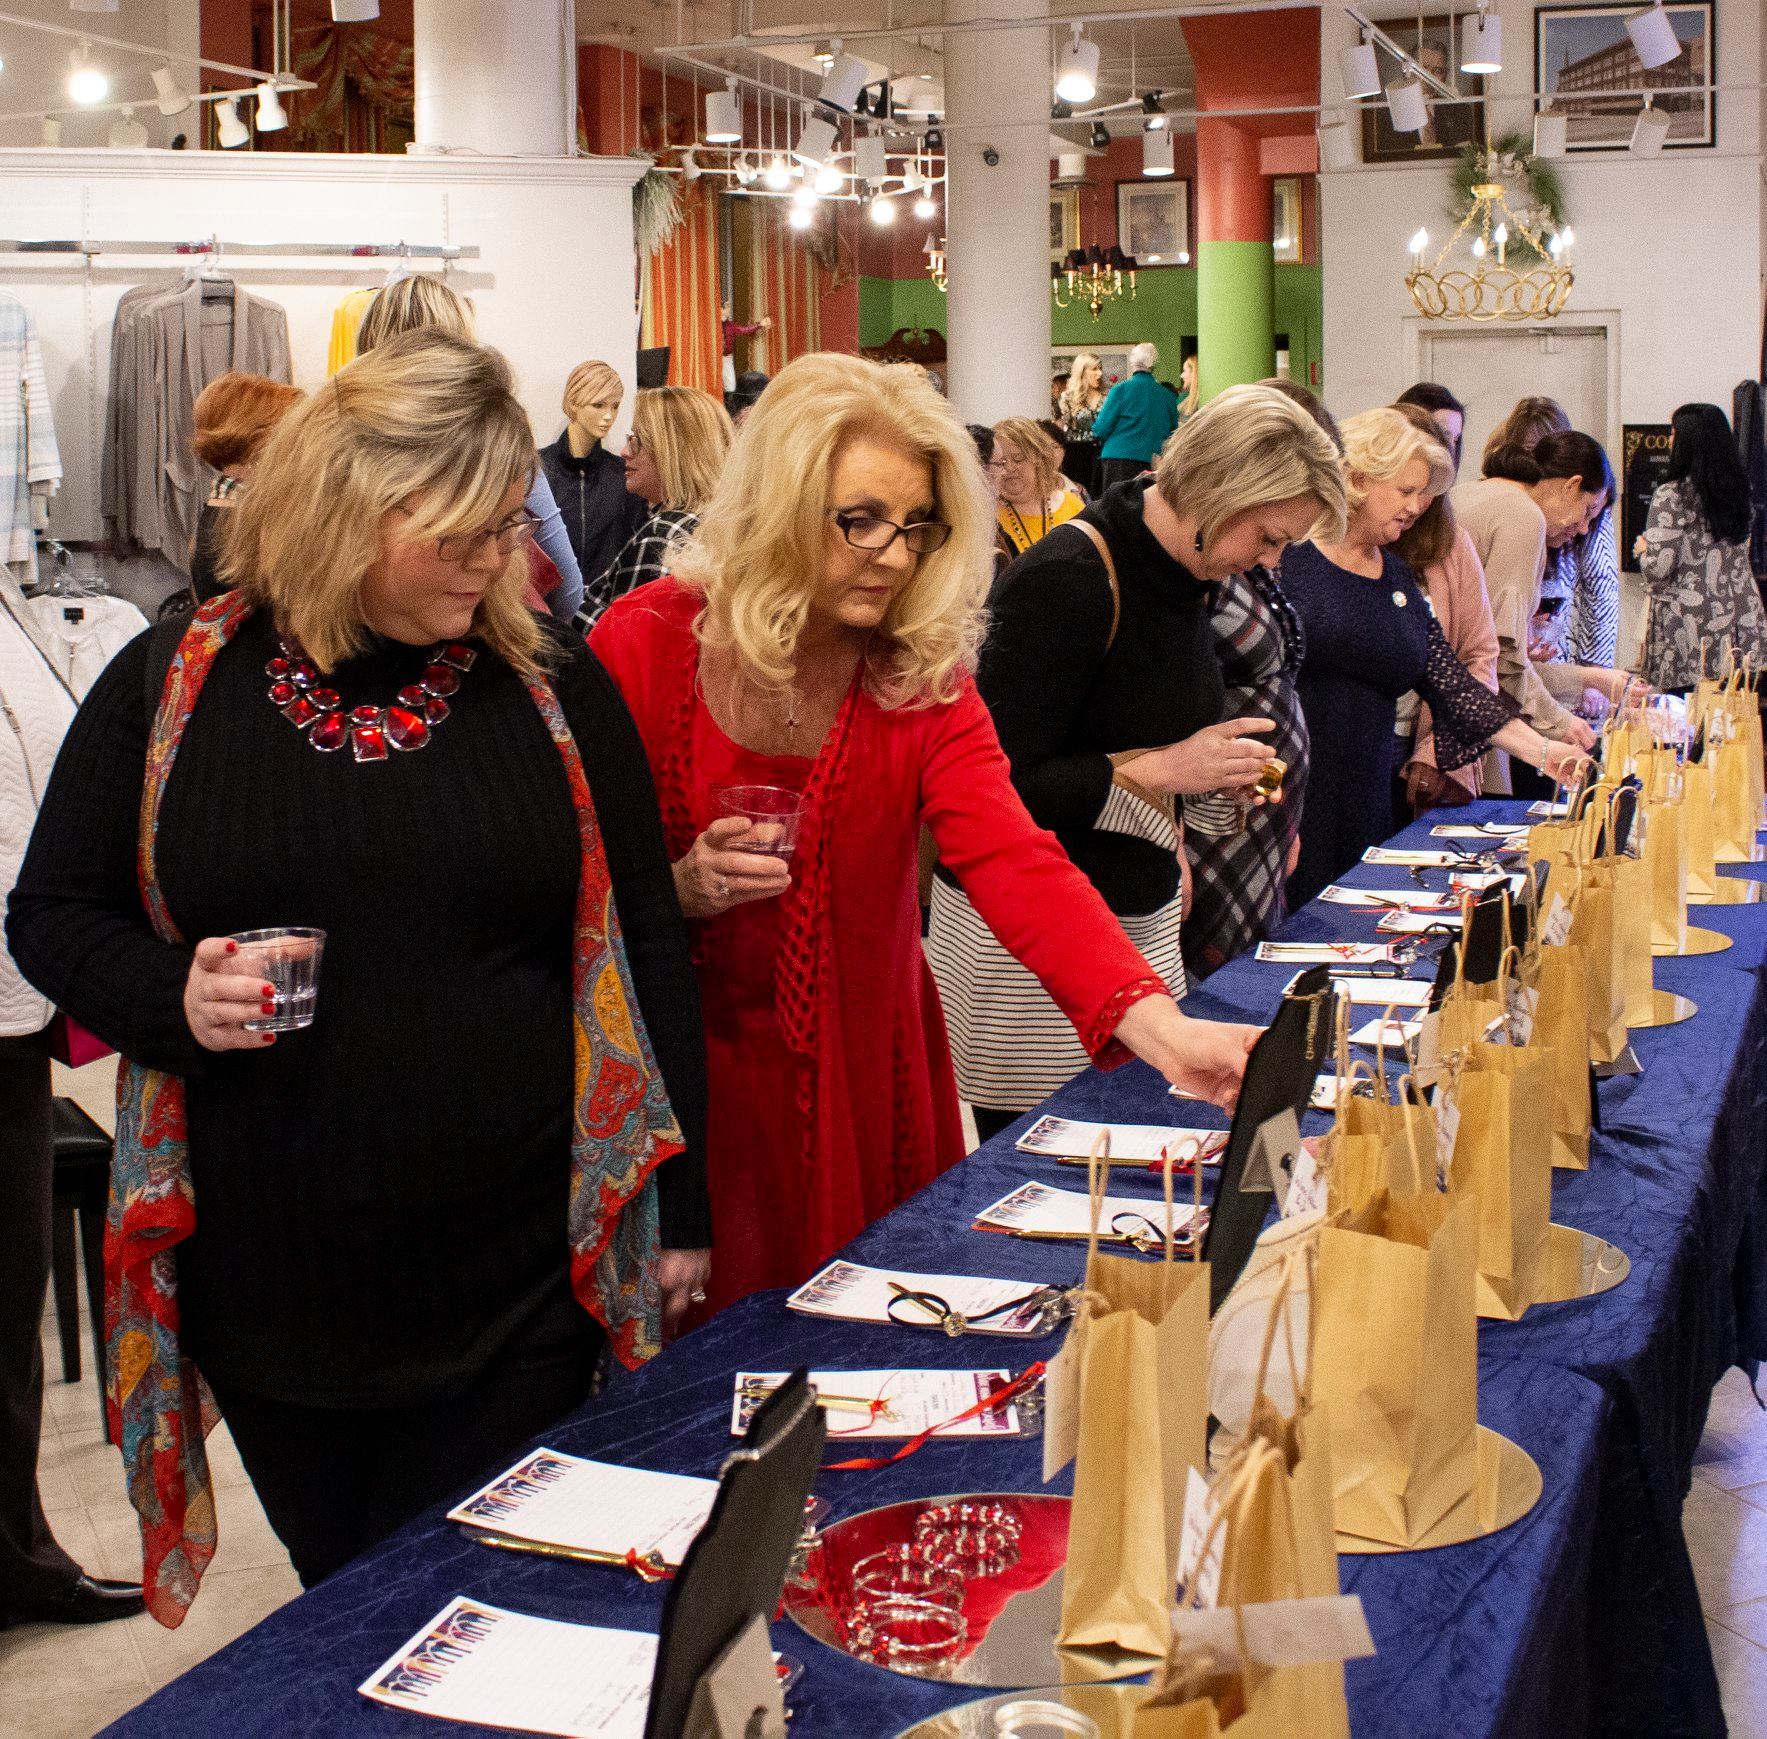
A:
{"points": [[1673, 246], [553, 285]]}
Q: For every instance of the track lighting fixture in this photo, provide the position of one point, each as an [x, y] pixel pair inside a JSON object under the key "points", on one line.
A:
{"points": [[1406, 105], [723, 116], [815, 142], [843, 82], [230, 129], [1481, 43], [1101, 136], [271, 116], [883, 212], [1549, 135], [1650, 132], [829, 179], [127, 133], [1653, 37], [1154, 109], [1156, 153], [354, 11], [86, 84], [870, 158], [800, 217], [778, 174], [1076, 77], [1060, 111], [925, 206], [935, 139], [173, 99], [1359, 70]]}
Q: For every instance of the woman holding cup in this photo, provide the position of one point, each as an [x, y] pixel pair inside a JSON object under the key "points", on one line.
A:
{"points": [[821, 640], [397, 1242]]}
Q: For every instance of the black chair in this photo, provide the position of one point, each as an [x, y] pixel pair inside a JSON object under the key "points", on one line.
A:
{"points": [[82, 1188]]}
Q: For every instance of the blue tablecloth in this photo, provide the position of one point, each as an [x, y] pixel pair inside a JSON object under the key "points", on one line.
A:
{"points": [[1581, 1617]]}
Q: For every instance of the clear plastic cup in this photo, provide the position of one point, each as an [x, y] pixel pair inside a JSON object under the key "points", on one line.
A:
{"points": [[774, 814], [288, 961]]}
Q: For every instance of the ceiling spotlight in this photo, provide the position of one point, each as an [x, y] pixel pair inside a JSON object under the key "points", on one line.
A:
{"points": [[690, 169], [805, 197], [1060, 111], [1405, 103], [230, 129], [829, 179], [778, 174], [747, 171], [870, 158], [1359, 70], [723, 116], [50, 132], [815, 142], [1154, 109], [173, 99], [127, 133], [1549, 135], [883, 212], [1076, 77], [271, 116], [1100, 136], [1653, 37], [800, 217], [1336, 151], [843, 82], [824, 58], [354, 11], [925, 206], [86, 84], [1481, 44], [1650, 132], [1156, 153], [935, 140]]}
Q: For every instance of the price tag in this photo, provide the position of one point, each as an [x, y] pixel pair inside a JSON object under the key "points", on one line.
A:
{"points": [[1447, 1127], [1523, 1005], [1061, 1404], [1270, 1164], [1306, 1186], [1198, 1576], [1279, 1633], [1556, 931]]}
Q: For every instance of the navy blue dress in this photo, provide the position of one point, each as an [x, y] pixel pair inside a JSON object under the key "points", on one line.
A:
{"points": [[1368, 641]]}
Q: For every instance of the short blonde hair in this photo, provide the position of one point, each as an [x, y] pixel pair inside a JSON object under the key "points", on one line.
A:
{"points": [[759, 553], [1380, 444], [1035, 446], [689, 434], [426, 418], [412, 304], [1248, 447], [590, 381]]}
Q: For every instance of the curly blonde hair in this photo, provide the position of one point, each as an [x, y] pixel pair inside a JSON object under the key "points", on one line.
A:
{"points": [[1380, 444], [758, 555], [426, 420]]}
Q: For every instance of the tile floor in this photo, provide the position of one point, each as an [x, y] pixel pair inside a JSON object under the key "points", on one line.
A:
{"points": [[68, 1684]]}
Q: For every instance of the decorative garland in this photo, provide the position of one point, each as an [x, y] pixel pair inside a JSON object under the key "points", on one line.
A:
{"points": [[1531, 184], [657, 210]]}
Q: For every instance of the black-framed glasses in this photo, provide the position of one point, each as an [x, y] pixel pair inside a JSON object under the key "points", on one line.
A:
{"points": [[867, 532], [464, 547]]}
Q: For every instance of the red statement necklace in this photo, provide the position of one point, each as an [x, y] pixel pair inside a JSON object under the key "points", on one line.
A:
{"points": [[296, 692]]}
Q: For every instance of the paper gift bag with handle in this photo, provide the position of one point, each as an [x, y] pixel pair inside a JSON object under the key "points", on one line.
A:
{"points": [[1734, 812], [1357, 1156], [1593, 930], [1665, 848], [1395, 1360], [1697, 819], [1559, 977], [1140, 1339]]}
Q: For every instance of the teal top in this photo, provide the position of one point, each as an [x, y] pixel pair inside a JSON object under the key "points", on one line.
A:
{"points": [[1136, 419]]}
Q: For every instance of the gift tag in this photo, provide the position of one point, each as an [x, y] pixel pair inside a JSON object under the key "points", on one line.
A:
{"points": [[1556, 931], [1198, 1576], [1306, 1185], [1278, 1633], [1061, 1405], [1523, 1005], [1447, 1127], [1270, 1163]]}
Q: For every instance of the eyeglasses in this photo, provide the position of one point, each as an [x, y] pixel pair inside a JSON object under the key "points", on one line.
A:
{"points": [[467, 546], [863, 531]]}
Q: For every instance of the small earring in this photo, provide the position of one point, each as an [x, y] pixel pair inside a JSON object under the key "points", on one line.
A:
{"points": [[1199, 543]]}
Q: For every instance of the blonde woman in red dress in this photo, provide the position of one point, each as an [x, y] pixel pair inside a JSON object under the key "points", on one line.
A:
{"points": [[820, 634]]}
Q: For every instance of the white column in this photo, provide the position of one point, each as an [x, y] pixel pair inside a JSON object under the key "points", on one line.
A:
{"points": [[499, 80], [997, 214]]}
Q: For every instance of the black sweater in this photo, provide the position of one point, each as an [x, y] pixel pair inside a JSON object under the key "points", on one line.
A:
{"points": [[1065, 696], [381, 1198], [599, 513]]}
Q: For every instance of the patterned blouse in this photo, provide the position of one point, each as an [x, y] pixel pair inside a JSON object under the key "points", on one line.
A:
{"points": [[1700, 589], [645, 558], [1587, 573], [1237, 894]]}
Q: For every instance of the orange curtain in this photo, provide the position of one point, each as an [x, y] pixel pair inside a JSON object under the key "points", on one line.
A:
{"points": [[788, 278], [680, 296]]}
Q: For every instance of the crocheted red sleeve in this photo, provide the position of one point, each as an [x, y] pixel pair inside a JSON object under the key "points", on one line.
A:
{"points": [[1043, 910]]}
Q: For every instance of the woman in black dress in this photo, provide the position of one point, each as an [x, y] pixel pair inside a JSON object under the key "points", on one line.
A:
{"points": [[395, 1243], [1371, 637]]}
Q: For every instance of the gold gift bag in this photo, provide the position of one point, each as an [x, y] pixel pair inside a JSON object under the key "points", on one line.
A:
{"points": [[1141, 1337], [1503, 1164], [1665, 847], [1631, 883], [1734, 812], [1360, 1153], [1697, 819], [1560, 978], [1395, 1360]]}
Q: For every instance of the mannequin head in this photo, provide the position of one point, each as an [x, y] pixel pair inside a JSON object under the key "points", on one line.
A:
{"points": [[592, 397]]}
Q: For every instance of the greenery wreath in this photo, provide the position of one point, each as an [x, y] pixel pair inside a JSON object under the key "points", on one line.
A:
{"points": [[1531, 184]]}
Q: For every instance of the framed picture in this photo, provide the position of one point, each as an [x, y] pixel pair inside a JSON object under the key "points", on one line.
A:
{"points": [[1582, 54], [1064, 223], [1153, 221], [1286, 194], [1434, 43]]}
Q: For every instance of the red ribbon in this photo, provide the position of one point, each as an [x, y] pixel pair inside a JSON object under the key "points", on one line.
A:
{"points": [[1026, 1378]]}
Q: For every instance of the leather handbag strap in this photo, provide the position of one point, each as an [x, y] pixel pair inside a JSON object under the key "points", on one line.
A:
{"points": [[1096, 538]]}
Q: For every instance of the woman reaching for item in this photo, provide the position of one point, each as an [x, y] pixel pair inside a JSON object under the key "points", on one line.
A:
{"points": [[820, 641]]}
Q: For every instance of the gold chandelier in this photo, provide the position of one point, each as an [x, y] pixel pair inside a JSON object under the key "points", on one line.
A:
{"points": [[1492, 289], [935, 261], [1094, 277]]}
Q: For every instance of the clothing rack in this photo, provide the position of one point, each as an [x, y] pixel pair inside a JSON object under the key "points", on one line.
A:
{"points": [[215, 248]]}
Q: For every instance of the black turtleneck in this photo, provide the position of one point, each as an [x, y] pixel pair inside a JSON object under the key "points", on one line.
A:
{"points": [[599, 514], [1066, 695], [381, 1198]]}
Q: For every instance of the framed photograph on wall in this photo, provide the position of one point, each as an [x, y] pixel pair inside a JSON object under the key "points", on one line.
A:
{"points": [[1584, 62], [1153, 221], [1064, 223], [1286, 196], [1435, 45]]}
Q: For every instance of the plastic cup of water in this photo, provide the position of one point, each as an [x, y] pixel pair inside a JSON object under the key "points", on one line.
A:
{"points": [[288, 961], [774, 814]]}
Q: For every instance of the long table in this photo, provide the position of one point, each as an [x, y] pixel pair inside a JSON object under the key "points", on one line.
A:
{"points": [[1581, 1617]]}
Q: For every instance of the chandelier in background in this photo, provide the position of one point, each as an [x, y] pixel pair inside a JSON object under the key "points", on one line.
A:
{"points": [[935, 260], [1094, 276], [1484, 285]]}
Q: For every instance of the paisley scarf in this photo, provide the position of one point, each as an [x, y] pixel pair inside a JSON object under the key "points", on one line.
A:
{"points": [[622, 1128]]}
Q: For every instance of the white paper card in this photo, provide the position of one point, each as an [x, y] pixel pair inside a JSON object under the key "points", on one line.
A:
{"points": [[1198, 1576], [1040, 1212], [1399, 1033], [1396, 857], [1390, 899], [474, 1662], [1556, 931], [592, 1506], [913, 1401], [1524, 1004], [1280, 1633], [1382, 992], [1413, 923], [854, 1293], [1307, 1191], [1544, 811], [1447, 1127], [1325, 953], [1064, 1138], [1061, 1404]]}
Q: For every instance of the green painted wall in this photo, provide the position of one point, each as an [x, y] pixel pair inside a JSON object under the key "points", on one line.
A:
{"points": [[1236, 309], [1164, 310]]}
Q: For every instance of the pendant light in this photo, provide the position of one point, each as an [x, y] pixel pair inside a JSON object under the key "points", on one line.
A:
{"points": [[354, 11], [1156, 153], [86, 84], [1481, 44], [1359, 70], [1549, 135], [1076, 75], [1653, 37], [173, 99], [815, 142], [723, 116], [231, 130], [271, 116], [1406, 105]]}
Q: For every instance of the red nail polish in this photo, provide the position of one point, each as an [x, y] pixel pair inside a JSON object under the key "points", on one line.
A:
{"points": [[232, 947], [269, 1038], [269, 1008], [268, 990]]}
